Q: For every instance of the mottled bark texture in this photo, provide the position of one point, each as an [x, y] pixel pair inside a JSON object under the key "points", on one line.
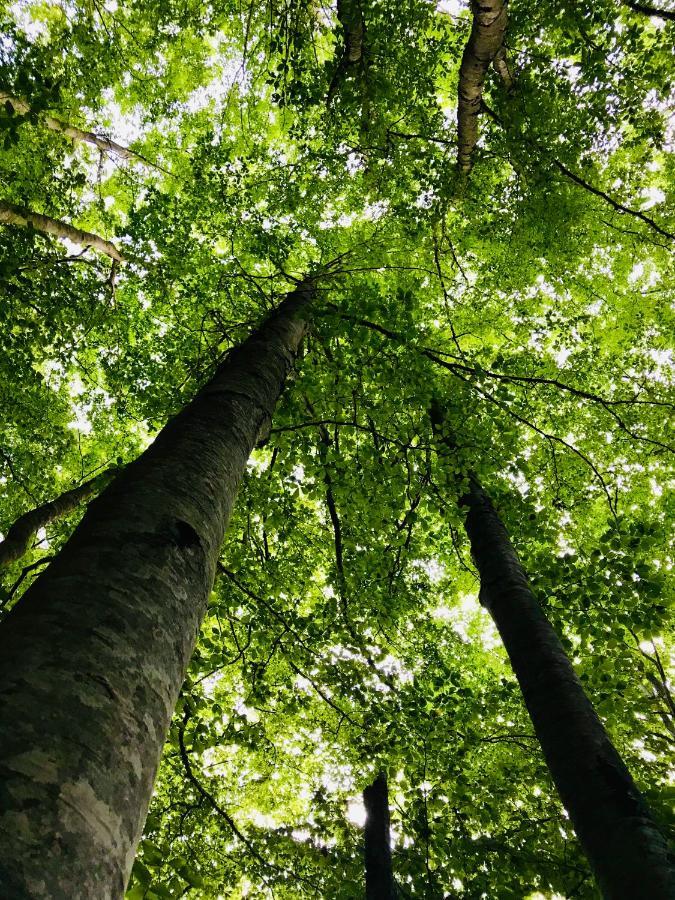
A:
{"points": [[11, 214], [93, 656], [23, 530], [485, 41], [628, 853], [379, 872], [72, 131]]}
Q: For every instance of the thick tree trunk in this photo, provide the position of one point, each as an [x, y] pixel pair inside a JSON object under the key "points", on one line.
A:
{"points": [[72, 131], [93, 656], [628, 853], [24, 529], [379, 873], [485, 40], [11, 214]]}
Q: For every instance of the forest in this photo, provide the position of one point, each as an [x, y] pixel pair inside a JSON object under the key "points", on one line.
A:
{"points": [[336, 403]]}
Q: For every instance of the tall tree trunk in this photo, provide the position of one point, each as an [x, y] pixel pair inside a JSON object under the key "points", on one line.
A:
{"points": [[12, 214], [627, 851], [485, 40], [379, 873], [24, 528], [93, 656]]}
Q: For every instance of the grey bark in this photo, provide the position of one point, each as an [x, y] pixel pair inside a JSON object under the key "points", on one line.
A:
{"points": [[93, 656], [628, 853], [380, 883], [22, 531], [13, 214], [487, 34]]}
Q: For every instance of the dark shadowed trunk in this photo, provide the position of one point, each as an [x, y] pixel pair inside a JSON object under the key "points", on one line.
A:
{"points": [[93, 656], [22, 531], [648, 10], [379, 873], [627, 851]]}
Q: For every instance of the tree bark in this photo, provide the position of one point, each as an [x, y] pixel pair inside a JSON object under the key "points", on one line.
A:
{"points": [[648, 10], [350, 17], [11, 214], [379, 872], [93, 656], [485, 40], [72, 131], [502, 68], [628, 853], [22, 531]]}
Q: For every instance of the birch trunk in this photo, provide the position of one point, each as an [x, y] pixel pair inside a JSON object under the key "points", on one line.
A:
{"points": [[485, 41], [12, 214], [93, 656], [72, 131]]}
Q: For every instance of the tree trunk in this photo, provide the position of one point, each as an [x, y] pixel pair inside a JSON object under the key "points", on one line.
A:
{"points": [[350, 17], [379, 872], [22, 531], [93, 656], [485, 40], [11, 214], [628, 853]]}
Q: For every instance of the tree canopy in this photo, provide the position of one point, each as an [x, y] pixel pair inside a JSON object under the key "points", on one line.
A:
{"points": [[221, 152]]}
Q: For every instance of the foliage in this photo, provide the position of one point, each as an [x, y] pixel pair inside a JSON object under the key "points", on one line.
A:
{"points": [[535, 301]]}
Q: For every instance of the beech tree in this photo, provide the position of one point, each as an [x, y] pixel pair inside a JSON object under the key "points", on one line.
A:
{"points": [[380, 207]]}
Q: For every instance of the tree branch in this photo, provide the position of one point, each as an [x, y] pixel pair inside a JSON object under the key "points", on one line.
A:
{"points": [[105, 144], [647, 10], [12, 214], [22, 530]]}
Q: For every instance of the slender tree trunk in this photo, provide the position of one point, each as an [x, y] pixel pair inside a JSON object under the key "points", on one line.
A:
{"points": [[379, 872], [627, 851], [23, 530], [93, 656], [11, 214], [350, 17], [72, 131], [485, 40]]}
